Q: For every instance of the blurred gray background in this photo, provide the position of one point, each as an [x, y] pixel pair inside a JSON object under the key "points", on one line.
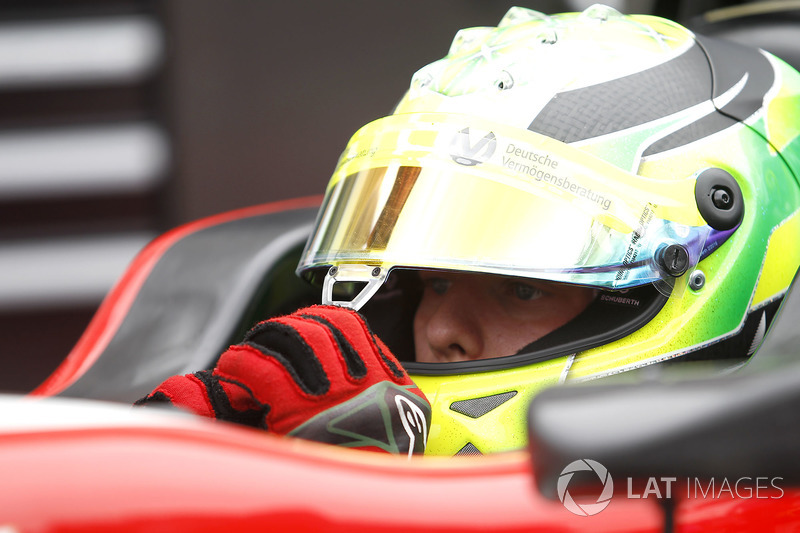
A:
{"points": [[122, 119]]}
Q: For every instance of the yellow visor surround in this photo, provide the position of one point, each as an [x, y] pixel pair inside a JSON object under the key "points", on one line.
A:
{"points": [[444, 191]]}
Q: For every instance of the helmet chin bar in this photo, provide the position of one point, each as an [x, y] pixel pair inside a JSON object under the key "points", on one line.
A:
{"points": [[372, 277]]}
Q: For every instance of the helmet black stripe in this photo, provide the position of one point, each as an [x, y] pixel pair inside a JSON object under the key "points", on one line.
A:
{"points": [[629, 101]]}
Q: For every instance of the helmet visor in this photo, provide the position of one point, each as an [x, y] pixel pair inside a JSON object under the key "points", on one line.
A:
{"points": [[440, 191]]}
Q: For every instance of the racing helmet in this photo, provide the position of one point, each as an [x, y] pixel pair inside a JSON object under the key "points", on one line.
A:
{"points": [[623, 153]]}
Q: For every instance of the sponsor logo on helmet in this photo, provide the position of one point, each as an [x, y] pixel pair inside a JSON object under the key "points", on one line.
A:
{"points": [[465, 152]]}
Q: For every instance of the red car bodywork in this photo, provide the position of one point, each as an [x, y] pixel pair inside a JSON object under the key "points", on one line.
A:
{"points": [[105, 467], [82, 465]]}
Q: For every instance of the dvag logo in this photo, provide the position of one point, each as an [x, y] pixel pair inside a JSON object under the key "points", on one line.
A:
{"points": [[468, 153]]}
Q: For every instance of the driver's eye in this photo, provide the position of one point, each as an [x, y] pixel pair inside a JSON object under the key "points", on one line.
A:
{"points": [[526, 292], [438, 285]]}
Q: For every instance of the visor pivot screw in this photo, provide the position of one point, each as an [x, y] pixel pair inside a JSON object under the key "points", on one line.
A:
{"points": [[697, 280], [719, 199], [722, 198], [673, 258], [376, 272], [333, 271]]}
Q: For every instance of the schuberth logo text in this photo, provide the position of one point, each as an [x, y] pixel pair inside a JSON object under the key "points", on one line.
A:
{"points": [[465, 152]]}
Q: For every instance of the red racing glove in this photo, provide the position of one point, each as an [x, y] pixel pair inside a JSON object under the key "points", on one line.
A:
{"points": [[318, 374]]}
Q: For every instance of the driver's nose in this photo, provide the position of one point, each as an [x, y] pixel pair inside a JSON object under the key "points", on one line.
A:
{"points": [[452, 326]]}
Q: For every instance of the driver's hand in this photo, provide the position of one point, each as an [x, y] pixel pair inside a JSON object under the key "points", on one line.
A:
{"points": [[318, 374]]}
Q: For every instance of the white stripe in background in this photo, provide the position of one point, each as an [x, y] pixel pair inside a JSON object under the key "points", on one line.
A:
{"points": [[83, 160], [115, 50]]}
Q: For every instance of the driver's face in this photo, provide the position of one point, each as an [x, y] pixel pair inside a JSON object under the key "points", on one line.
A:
{"points": [[463, 316]]}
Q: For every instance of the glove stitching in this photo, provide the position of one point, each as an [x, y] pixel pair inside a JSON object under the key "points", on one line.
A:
{"points": [[221, 405], [355, 364], [290, 349], [156, 397], [398, 372]]}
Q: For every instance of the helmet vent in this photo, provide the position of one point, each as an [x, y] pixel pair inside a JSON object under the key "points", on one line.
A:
{"points": [[601, 13], [469, 449], [520, 15], [504, 81], [549, 36], [477, 407]]}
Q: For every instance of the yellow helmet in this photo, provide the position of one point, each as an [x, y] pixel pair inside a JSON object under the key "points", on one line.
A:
{"points": [[622, 153]]}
